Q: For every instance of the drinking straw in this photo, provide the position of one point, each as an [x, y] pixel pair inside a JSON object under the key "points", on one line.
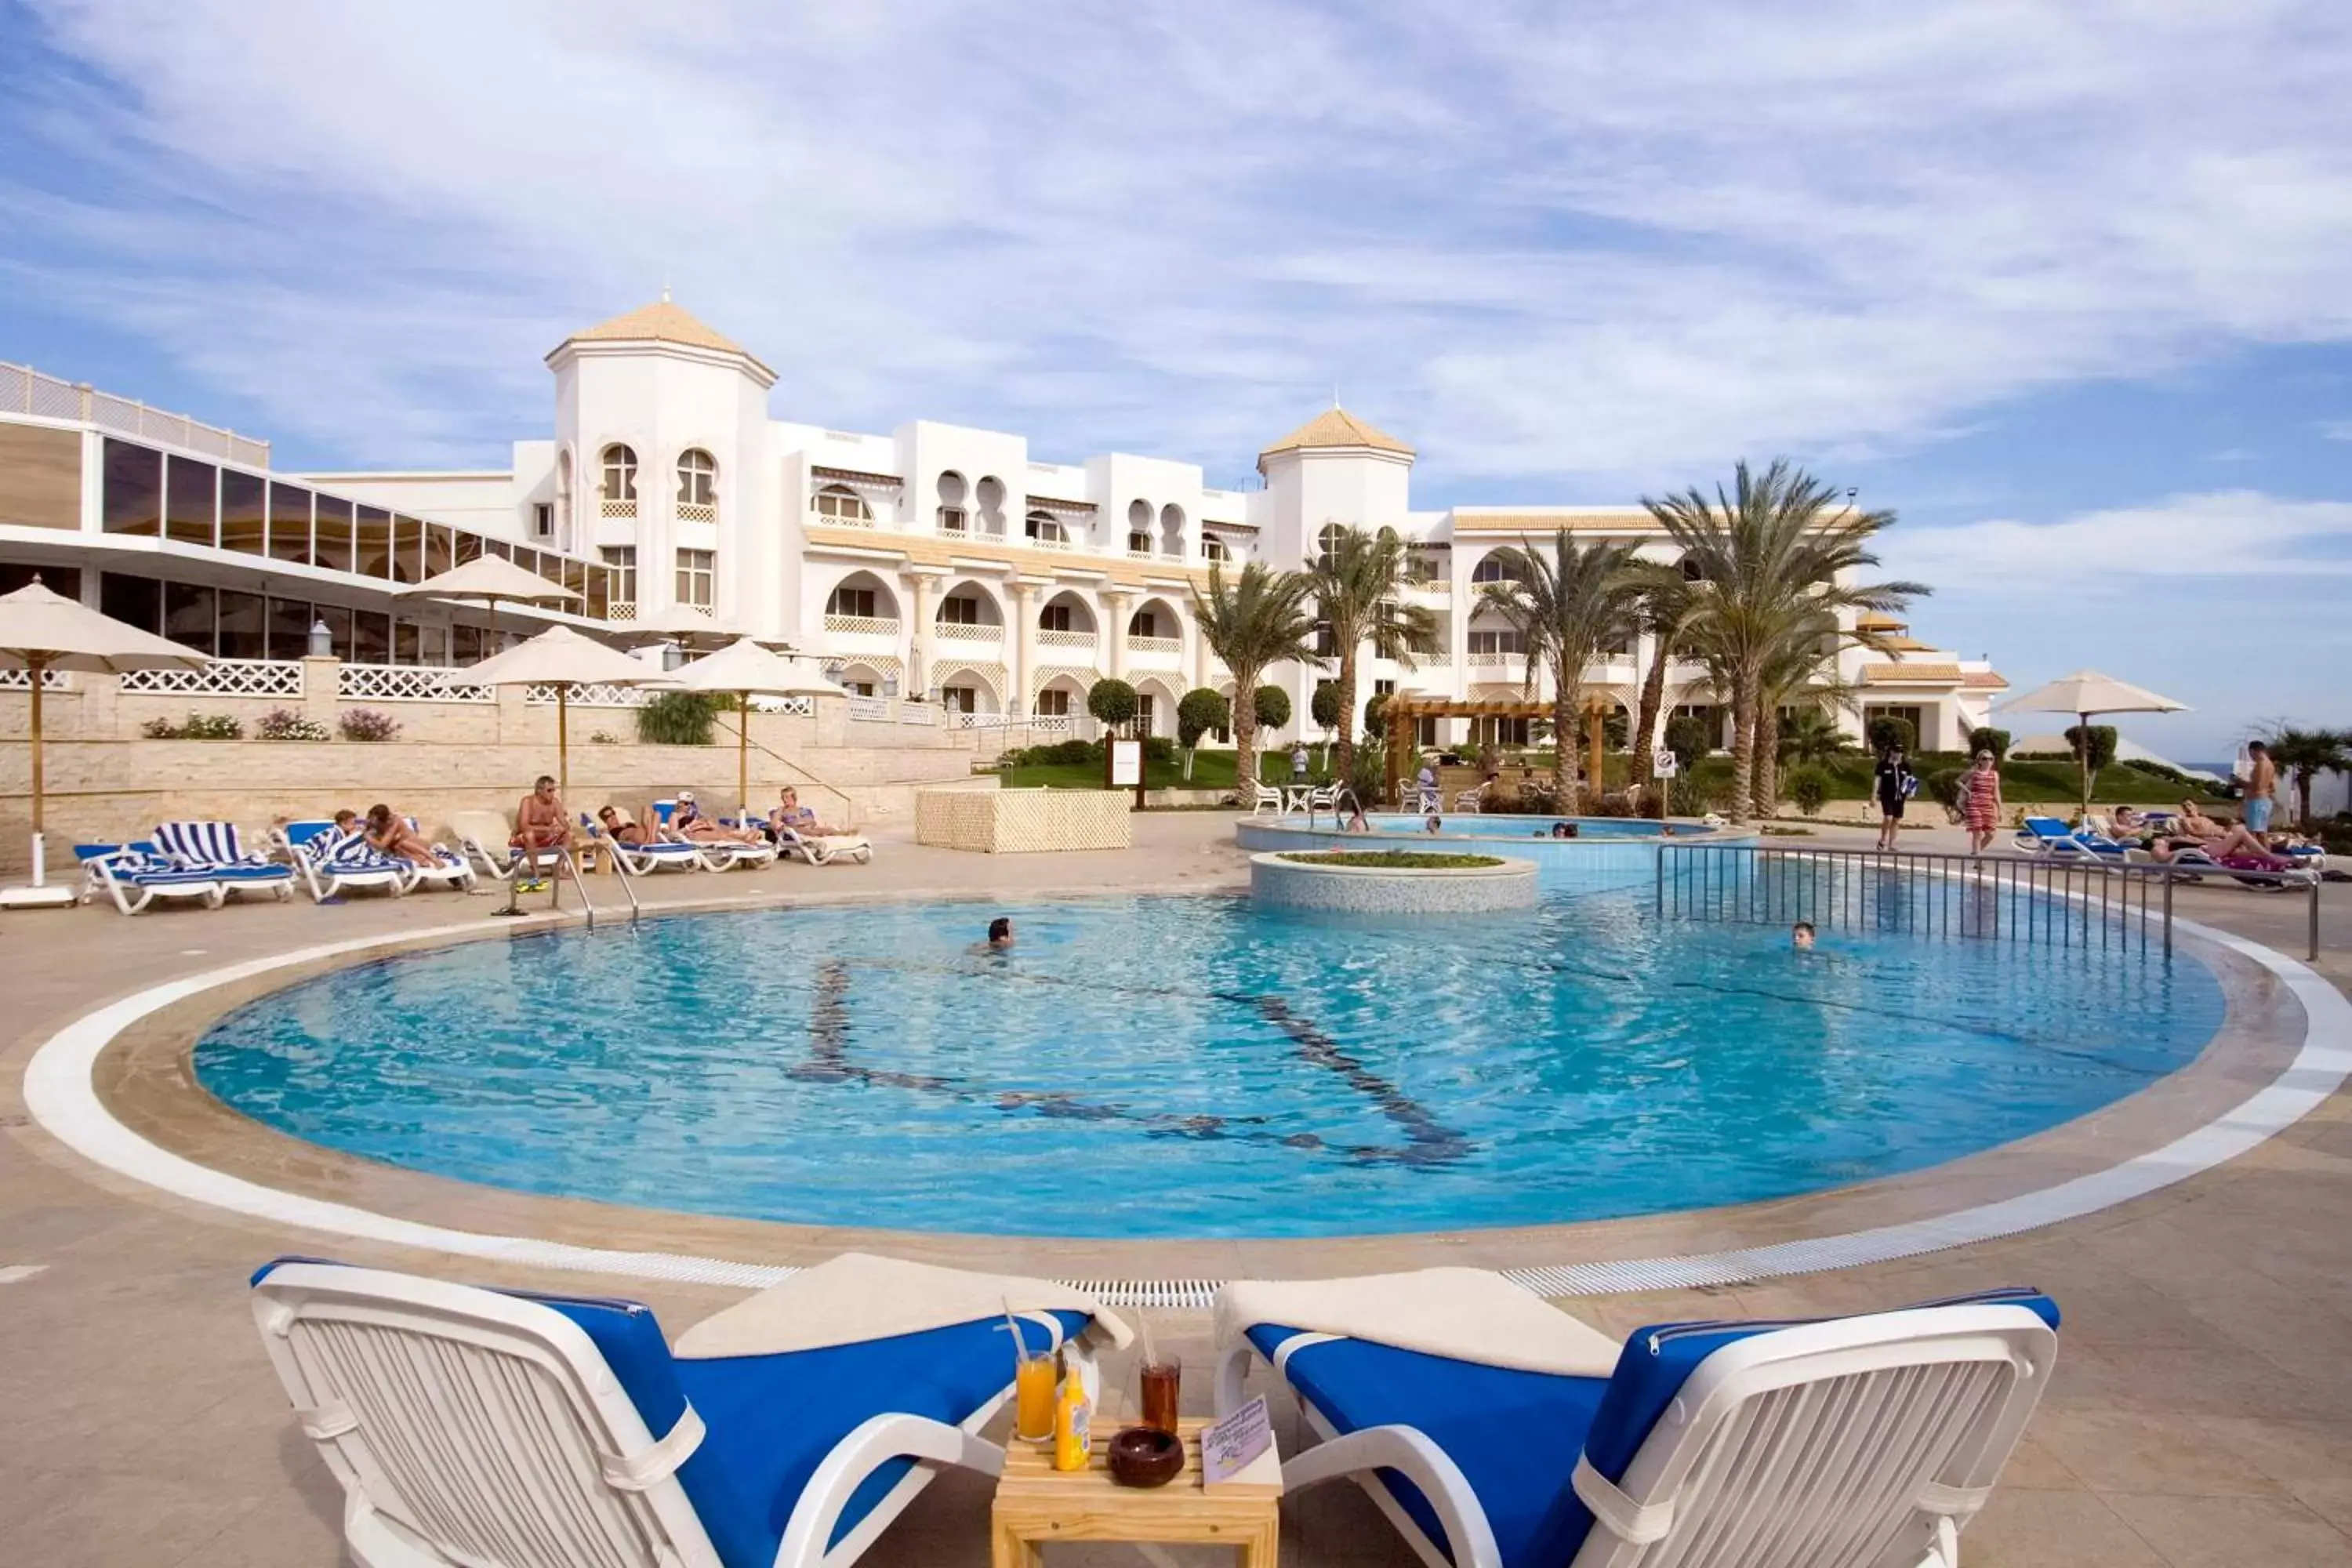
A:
{"points": [[1019, 1351], [1150, 1358]]}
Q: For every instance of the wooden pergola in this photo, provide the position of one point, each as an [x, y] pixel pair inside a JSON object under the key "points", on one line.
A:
{"points": [[1399, 711]]}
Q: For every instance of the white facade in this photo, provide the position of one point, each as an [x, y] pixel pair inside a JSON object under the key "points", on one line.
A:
{"points": [[945, 561]]}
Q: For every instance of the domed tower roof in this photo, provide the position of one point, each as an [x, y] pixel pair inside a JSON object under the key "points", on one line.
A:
{"points": [[663, 323], [1334, 427]]}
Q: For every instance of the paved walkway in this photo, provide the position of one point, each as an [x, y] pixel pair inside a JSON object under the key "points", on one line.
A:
{"points": [[2202, 1413]]}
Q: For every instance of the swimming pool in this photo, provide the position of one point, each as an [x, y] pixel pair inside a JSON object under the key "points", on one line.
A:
{"points": [[1196, 1067]]}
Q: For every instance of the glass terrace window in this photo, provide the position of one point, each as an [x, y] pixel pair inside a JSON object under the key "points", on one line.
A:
{"points": [[623, 559], [620, 473], [960, 610], [851, 602], [191, 500], [133, 494], [841, 503]]}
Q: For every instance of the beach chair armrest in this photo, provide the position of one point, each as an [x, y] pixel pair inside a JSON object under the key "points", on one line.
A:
{"points": [[879, 1439], [1409, 1451]]}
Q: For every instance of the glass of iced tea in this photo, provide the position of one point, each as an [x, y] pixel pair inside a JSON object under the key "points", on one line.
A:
{"points": [[1034, 1382], [1163, 1384]]}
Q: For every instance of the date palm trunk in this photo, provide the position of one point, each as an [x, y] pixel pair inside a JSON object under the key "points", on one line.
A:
{"points": [[1653, 697], [1768, 760], [1345, 772], [1743, 703], [1245, 779]]}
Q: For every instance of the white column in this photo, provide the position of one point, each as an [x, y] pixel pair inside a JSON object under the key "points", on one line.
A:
{"points": [[919, 647], [1121, 606], [1023, 652]]}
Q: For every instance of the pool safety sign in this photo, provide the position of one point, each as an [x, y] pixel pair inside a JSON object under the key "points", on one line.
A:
{"points": [[1123, 766], [1664, 764]]}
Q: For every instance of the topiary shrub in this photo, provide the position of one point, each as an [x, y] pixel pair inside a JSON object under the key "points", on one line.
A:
{"points": [[285, 724], [680, 719], [367, 725], [1159, 749], [1323, 707], [1200, 711], [1376, 716], [1690, 738], [1886, 731], [1809, 788], [1985, 738], [1272, 705], [1112, 702]]}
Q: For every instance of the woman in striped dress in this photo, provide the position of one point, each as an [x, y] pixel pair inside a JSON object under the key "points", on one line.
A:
{"points": [[1980, 801]]}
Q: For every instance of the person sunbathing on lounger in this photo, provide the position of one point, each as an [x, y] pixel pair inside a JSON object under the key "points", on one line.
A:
{"points": [[2235, 843], [540, 821], [636, 835], [697, 828], [790, 813], [392, 837]]}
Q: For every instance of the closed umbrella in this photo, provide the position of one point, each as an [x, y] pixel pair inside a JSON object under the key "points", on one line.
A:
{"points": [[41, 631], [489, 578], [745, 668], [2083, 694], [562, 659]]}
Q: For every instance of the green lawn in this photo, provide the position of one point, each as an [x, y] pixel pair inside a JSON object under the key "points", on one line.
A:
{"points": [[1210, 770]]}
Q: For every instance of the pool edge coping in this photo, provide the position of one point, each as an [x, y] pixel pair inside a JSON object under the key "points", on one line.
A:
{"points": [[62, 1098]]}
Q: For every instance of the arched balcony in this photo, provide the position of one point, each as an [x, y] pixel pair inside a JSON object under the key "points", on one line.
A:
{"points": [[862, 605], [1067, 621]]}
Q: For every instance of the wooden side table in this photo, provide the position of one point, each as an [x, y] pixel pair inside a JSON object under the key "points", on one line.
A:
{"points": [[1035, 1503]]}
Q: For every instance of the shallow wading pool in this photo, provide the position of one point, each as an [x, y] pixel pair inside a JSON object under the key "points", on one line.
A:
{"points": [[1197, 1067]]}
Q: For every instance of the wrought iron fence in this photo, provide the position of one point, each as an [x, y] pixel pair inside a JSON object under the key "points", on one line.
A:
{"points": [[2052, 901]]}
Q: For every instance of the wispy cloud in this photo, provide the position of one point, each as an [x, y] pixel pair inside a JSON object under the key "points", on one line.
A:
{"points": [[2218, 537], [1589, 249], [2336, 429]]}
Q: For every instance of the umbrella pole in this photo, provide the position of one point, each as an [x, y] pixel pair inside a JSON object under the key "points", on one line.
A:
{"points": [[743, 757], [562, 741], [37, 668], [2083, 762]]}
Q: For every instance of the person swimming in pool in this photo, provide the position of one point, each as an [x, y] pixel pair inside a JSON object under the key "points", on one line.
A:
{"points": [[1000, 934], [1800, 936], [1435, 823]]}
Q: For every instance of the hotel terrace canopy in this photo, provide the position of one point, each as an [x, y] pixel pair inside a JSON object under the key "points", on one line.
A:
{"points": [[1400, 711]]}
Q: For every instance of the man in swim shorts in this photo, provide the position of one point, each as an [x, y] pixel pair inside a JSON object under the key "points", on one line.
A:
{"points": [[2261, 787]]}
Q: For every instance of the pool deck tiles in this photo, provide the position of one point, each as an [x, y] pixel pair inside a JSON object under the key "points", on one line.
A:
{"points": [[2201, 1411]]}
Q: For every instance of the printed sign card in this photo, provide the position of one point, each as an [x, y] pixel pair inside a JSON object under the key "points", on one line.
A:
{"points": [[1238, 1451]]}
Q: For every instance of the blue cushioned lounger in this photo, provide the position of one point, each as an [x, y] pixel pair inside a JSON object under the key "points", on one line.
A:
{"points": [[1865, 1442], [215, 847], [505, 1429], [135, 875]]}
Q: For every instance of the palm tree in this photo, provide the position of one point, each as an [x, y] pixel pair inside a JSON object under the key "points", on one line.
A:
{"points": [[1812, 737], [1570, 607], [1771, 559], [1665, 615], [1356, 582], [1795, 676], [2307, 753], [1253, 625]]}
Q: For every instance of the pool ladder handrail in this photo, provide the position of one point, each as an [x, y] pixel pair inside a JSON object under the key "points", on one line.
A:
{"points": [[620, 866]]}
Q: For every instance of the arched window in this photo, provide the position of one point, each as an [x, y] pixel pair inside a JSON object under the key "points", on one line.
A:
{"points": [[842, 504], [1171, 530], [1045, 527], [1213, 548], [619, 472], [953, 519], [1497, 568], [991, 497], [698, 479], [1139, 528], [1326, 543]]}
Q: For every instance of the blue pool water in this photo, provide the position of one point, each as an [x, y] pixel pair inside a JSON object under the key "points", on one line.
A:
{"points": [[1470, 824], [1196, 1067]]}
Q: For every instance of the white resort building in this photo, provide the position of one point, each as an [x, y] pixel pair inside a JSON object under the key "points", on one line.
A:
{"points": [[939, 570]]}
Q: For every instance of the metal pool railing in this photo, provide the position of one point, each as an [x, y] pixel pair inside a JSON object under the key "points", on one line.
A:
{"points": [[2054, 902]]}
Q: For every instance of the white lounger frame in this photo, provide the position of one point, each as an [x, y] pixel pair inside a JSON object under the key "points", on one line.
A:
{"points": [[549, 1449], [326, 878], [132, 897], [1902, 1422], [826, 849]]}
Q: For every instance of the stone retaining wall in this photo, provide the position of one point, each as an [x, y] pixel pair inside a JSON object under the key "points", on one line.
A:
{"points": [[1385, 890]]}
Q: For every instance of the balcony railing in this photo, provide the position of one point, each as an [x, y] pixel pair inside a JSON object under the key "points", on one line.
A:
{"points": [[621, 610], [590, 696], [1495, 656], [698, 511], [869, 710], [221, 677], [862, 625], [24, 390], [616, 508], [1053, 638], [833, 519], [405, 683], [970, 631], [1156, 645]]}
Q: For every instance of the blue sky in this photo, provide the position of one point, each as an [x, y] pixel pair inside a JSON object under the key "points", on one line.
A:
{"points": [[2067, 283]]}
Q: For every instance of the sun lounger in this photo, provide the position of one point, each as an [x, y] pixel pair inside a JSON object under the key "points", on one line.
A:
{"points": [[824, 849], [488, 843], [723, 854], [449, 868], [502, 1429], [1868, 1441], [332, 861], [216, 849], [136, 875], [2056, 839], [644, 859]]}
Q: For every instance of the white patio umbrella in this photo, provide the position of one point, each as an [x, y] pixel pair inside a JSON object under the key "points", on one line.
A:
{"points": [[41, 631], [681, 624], [745, 668], [489, 578], [2083, 694], [562, 659]]}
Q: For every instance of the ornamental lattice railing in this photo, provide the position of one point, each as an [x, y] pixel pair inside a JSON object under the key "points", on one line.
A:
{"points": [[969, 631], [22, 681], [24, 390], [221, 678], [1156, 645], [405, 683], [862, 625], [590, 696], [1049, 637]]}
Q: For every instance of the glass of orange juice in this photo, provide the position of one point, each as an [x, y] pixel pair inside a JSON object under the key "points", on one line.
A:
{"points": [[1032, 1388]]}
